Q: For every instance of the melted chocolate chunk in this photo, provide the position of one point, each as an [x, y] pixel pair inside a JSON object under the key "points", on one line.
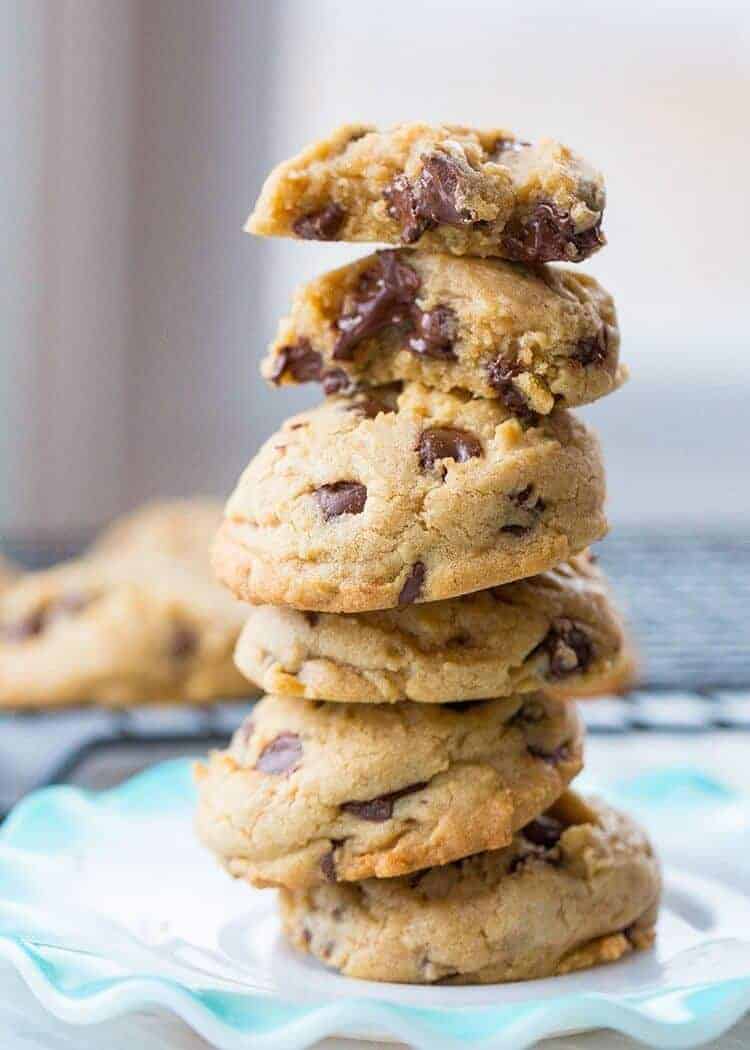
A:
{"points": [[381, 808], [569, 649], [328, 866], [311, 617], [370, 407], [447, 443], [282, 755], [306, 935], [412, 587], [516, 530], [431, 200], [548, 234], [433, 334], [342, 497], [386, 292], [320, 225], [500, 373], [593, 350], [183, 643], [335, 381], [300, 361], [527, 499], [544, 831]]}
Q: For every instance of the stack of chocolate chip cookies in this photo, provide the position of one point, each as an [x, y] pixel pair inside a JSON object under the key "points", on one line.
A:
{"points": [[415, 551]]}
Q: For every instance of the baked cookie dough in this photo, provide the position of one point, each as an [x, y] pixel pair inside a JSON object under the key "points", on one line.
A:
{"points": [[577, 887], [118, 631], [531, 337], [443, 187], [181, 529], [312, 792], [556, 630], [8, 573], [392, 498]]}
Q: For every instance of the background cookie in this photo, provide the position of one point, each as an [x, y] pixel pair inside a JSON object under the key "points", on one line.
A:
{"points": [[310, 791], [368, 503], [445, 187], [558, 629], [578, 887], [118, 631], [181, 529], [528, 337]]}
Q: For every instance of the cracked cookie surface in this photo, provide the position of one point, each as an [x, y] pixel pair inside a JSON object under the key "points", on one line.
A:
{"points": [[532, 338], [441, 187], [558, 630], [383, 500], [119, 631], [311, 792], [576, 888]]}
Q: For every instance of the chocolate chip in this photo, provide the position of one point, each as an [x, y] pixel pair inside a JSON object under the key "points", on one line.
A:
{"points": [[306, 936], [342, 497], [322, 225], [527, 499], [412, 587], [593, 349], [431, 200], [282, 755], [370, 407], [500, 373], [336, 381], [548, 234], [552, 758], [21, 630], [183, 643], [328, 950], [447, 443], [328, 866], [299, 360], [381, 808], [544, 831], [311, 617], [36, 622], [516, 530], [461, 707], [337, 913], [433, 334], [386, 292], [569, 648]]}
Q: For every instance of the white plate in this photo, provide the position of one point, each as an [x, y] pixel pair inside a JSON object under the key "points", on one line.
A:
{"points": [[108, 903]]}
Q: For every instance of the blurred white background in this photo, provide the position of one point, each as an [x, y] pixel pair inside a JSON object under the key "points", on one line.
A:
{"points": [[138, 133]]}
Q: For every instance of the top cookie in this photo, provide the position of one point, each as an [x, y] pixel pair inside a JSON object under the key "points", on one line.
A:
{"points": [[446, 188]]}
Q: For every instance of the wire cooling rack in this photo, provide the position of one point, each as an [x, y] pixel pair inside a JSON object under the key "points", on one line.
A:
{"points": [[686, 596]]}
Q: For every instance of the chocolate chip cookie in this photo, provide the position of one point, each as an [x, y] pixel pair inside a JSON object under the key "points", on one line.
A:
{"points": [[311, 791], [577, 887], [181, 529], [556, 630], [8, 573], [118, 630], [443, 187], [393, 498], [530, 337]]}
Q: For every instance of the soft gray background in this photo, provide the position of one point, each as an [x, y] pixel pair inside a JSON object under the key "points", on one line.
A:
{"points": [[136, 136]]}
